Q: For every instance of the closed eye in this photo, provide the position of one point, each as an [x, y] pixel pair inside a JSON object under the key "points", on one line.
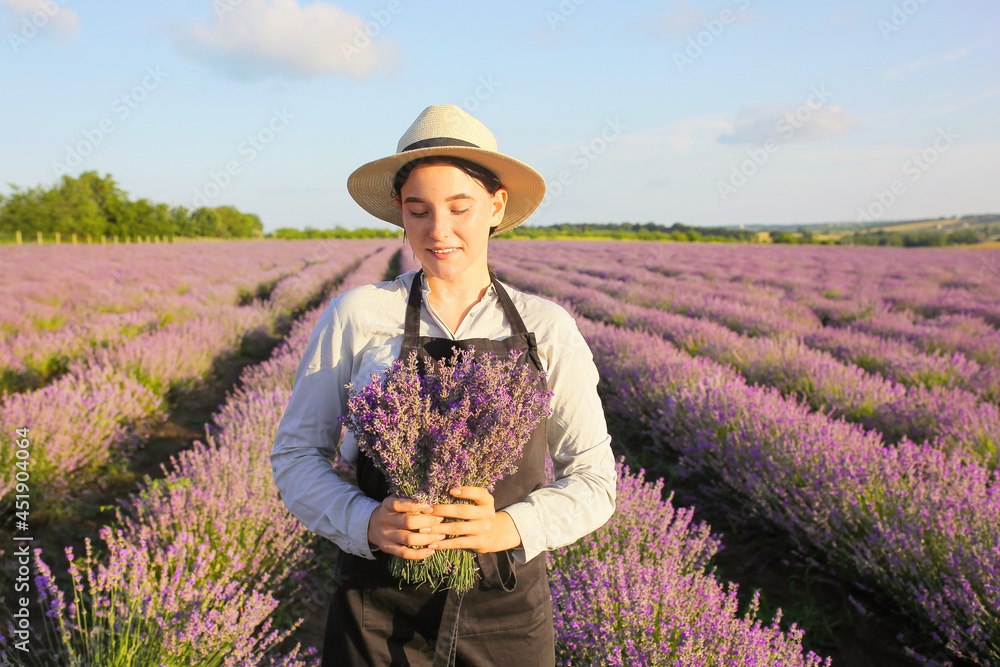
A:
{"points": [[423, 214]]}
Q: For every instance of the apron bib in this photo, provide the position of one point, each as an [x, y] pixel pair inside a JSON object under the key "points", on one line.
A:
{"points": [[506, 618]]}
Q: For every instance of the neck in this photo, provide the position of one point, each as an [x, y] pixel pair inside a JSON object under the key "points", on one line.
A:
{"points": [[463, 292]]}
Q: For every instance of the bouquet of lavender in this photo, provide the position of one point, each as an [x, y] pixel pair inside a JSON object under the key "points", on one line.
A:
{"points": [[461, 421]]}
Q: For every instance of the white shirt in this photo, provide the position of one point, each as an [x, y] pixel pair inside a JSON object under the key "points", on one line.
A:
{"points": [[361, 333]]}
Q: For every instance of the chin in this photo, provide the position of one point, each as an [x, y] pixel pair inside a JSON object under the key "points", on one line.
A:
{"points": [[447, 269]]}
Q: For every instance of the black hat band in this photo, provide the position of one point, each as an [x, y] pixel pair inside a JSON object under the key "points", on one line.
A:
{"points": [[438, 141]]}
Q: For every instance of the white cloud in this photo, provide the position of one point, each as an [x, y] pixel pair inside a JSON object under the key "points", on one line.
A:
{"points": [[40, 13], [941, 95], [963, 104], [806, 122], [684, 18], [686, 135], [254, 38], [951, 56]]}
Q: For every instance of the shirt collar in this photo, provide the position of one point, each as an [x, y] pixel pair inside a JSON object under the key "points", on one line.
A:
{"points": [[426, 288]]}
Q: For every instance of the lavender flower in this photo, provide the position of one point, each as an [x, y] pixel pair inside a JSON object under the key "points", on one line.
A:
{"points": [[651, 554]]}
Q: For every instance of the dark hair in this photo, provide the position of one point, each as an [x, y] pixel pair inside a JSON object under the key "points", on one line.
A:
{"points": [[477, 172]]}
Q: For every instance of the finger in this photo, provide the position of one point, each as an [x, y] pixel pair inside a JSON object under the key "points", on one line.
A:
{"points": [[463, 542], [404, 505], [461, 511], [476, 494], [463, 528], [409, 539], [418, 522], [407, 553]]}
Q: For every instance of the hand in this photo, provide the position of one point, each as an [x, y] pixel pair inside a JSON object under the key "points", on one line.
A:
{"points": [[480, 528], [398, 524]]}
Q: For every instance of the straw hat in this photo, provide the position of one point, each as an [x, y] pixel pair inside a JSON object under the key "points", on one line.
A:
{"points": [[445, 129]]}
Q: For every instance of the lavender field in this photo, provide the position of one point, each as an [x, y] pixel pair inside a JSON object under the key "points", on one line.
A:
{"points": [[840, 404]]}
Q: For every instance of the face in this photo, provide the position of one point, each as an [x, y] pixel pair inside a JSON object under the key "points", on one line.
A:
{"points": [[447, 216]]}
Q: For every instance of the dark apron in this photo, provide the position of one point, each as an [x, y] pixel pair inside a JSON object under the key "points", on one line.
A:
{"points": [[506, 618]]}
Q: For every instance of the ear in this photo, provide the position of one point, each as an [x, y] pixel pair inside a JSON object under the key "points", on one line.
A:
{"points": [[499, 204]]}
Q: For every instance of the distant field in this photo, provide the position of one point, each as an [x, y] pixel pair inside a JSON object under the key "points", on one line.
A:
{"points": [[917, 226]]}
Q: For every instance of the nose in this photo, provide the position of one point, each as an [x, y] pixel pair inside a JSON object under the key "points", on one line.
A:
{"points": [[438, 225]]}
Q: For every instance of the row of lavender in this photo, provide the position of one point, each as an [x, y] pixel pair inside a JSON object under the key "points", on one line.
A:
{"points": [[913, 523], [47, 286], [65, 302], [96, 413], [950, 418], [772, 292], [217, 508], [954, 350], [928, 282], [198, 560], [901, 308]]}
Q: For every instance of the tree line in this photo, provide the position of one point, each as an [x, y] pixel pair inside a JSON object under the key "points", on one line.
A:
{"points": [[291, 233], [925, 238], [91, 205], [648, 231]]}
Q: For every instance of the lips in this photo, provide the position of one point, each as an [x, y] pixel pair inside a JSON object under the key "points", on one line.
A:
{"points": [[442, 252]]}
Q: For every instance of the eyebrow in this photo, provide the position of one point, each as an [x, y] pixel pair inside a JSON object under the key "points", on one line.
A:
{"points": [[460, 195]]}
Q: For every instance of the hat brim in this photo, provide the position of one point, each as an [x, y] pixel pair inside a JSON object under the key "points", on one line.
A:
{"points": [[371, 184]]}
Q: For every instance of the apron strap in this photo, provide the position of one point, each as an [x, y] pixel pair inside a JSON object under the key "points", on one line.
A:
{"points": [[411, 326], [514, 317]]}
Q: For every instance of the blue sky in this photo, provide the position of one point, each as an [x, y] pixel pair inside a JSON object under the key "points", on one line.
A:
{"points": [[710, 113]]}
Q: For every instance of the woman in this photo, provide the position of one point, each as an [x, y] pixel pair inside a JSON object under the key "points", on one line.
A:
{"points": [[450, 190]]}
